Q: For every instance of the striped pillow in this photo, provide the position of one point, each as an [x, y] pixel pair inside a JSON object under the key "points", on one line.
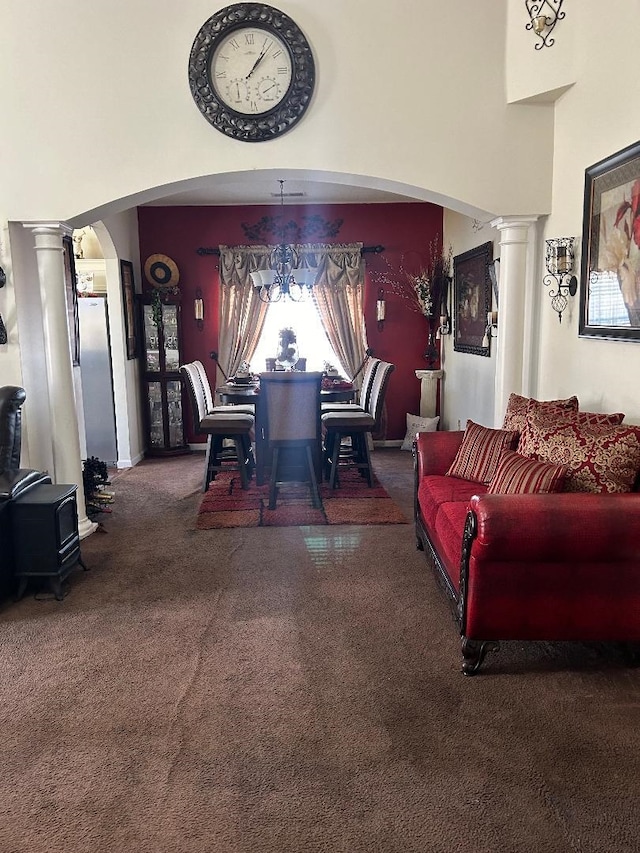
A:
{"points": [[479, 454], [519, 475]]}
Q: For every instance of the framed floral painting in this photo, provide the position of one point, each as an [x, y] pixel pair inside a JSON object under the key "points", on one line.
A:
{"points": [[610, 275], [472, 299]]}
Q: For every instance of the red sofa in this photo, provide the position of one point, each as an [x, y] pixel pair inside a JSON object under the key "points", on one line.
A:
{"points": [[555, 566]]}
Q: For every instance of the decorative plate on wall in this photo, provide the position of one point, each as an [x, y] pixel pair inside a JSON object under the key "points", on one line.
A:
{"points": [[161, 272], [251, 72]]}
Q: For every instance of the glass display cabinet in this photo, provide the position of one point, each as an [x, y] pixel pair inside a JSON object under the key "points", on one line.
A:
{"points": [[161, 380]]}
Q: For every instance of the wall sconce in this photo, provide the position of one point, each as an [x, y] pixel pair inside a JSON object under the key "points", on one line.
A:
{"points": [[543, 18], [444, 328], [559, 262], [491, 330], [198, 309], [380, 310]]}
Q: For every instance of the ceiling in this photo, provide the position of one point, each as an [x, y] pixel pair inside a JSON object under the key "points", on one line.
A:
{"points": [[250, 188]]}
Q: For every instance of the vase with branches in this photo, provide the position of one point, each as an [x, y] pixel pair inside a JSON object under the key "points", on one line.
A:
{"points": [[426, 291]]}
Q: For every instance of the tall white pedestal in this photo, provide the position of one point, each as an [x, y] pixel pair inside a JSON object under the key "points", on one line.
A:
{"points": [[429, 380]]}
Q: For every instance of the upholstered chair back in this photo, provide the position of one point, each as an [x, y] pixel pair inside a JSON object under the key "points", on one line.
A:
{"points": [[367, 382], [197, 394], [378, 391], [11, 399], [204, 382], [291, 403]]}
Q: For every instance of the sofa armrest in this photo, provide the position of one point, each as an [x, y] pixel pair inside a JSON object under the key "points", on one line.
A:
{"points": [[571, 527], [15, 481], [435, 451]]}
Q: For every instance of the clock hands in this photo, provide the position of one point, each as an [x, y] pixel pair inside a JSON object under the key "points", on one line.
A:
{"points": [[265, 47]]}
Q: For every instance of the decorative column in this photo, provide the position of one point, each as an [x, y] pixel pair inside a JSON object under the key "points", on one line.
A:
{"points": [[515, 309], [67, 461], [429, 380]]}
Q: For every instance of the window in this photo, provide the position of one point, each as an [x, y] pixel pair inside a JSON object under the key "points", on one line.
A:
{"points": [[304, 319], [606, 305]]}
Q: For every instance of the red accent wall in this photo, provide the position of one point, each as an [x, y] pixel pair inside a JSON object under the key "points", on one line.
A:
{"points": [[404, 229]]}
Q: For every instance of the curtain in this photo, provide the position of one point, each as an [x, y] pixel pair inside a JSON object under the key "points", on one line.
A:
{"points": [[242, 313], [338, 294]]}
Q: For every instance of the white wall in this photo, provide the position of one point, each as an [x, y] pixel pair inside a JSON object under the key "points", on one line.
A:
{"points": [[118, 236], [411, 94], [593, 119], [468, 383]]}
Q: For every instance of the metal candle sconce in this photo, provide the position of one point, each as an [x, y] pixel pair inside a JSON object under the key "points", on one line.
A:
{"points": [[198, 309], [544, 15], [380, 310], [491, 329], [559, 262]]}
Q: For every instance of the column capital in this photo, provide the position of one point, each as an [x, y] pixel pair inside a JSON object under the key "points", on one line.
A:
{"points": [[48, 229], [517, 225], [429, 374]]}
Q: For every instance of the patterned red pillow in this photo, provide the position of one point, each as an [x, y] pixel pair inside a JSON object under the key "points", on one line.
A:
{"points": [[520, 409], [600, 457], [518, 475], [479, 454], [544, 422]]}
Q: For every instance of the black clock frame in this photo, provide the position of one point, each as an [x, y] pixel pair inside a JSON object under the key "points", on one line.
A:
{"points": [[283, 116]]}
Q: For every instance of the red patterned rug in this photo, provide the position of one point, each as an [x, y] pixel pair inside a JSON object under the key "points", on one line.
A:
{"points": [[226, 505]]}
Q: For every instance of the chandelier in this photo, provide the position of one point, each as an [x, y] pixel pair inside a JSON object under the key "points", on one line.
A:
{"points": [[284, 279]]}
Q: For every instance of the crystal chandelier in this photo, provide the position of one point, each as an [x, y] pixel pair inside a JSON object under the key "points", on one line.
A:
{"points": [[284, 279]]}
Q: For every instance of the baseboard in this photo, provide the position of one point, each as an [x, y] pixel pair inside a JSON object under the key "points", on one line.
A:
{"points": [[129, 463], [394, 443]]}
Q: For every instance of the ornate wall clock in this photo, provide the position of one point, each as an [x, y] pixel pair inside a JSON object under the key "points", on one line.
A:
{"points": [[251, 72]]}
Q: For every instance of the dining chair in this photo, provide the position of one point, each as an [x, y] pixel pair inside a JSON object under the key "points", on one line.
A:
{"points": [[290, 404], [247, 408], [220, 424], [365, 389], [347, 433]]}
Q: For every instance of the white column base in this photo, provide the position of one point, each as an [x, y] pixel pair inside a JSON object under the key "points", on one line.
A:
{"points": [[86, 527]]}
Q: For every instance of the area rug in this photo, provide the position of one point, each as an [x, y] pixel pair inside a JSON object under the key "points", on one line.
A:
{"points": [[225, 504]]}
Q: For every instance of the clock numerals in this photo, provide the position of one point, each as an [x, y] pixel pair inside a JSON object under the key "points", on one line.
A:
{"points": [[259, 68]]}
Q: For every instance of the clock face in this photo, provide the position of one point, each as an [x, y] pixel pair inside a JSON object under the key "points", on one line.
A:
{"points": [[251, 72]]}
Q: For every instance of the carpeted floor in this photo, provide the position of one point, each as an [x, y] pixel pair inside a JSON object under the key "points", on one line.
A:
{"points": [[294, 690], [226, 504]]}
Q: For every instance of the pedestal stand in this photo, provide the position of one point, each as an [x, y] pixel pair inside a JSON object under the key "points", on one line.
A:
{"points": [[429, 380]]}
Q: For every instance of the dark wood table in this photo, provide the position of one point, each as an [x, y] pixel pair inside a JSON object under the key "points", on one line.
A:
{"points": [[238, 394]]}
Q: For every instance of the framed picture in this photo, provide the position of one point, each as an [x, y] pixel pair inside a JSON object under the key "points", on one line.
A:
{"points": [[128, 300], [610, 274], [472, 299], [71, 296]]}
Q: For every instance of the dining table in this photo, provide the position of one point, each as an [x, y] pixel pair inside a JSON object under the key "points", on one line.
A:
{"points": [[238, 393]]}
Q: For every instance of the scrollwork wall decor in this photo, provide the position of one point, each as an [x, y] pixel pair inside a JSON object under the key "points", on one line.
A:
{"points": [[310, 229], [543, 17]]}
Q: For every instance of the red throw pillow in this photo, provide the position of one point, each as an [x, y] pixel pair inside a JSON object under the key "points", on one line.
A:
{"points": [[479, 454], [600, 457], [519, 475], [520, 409], [543, 423]]}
